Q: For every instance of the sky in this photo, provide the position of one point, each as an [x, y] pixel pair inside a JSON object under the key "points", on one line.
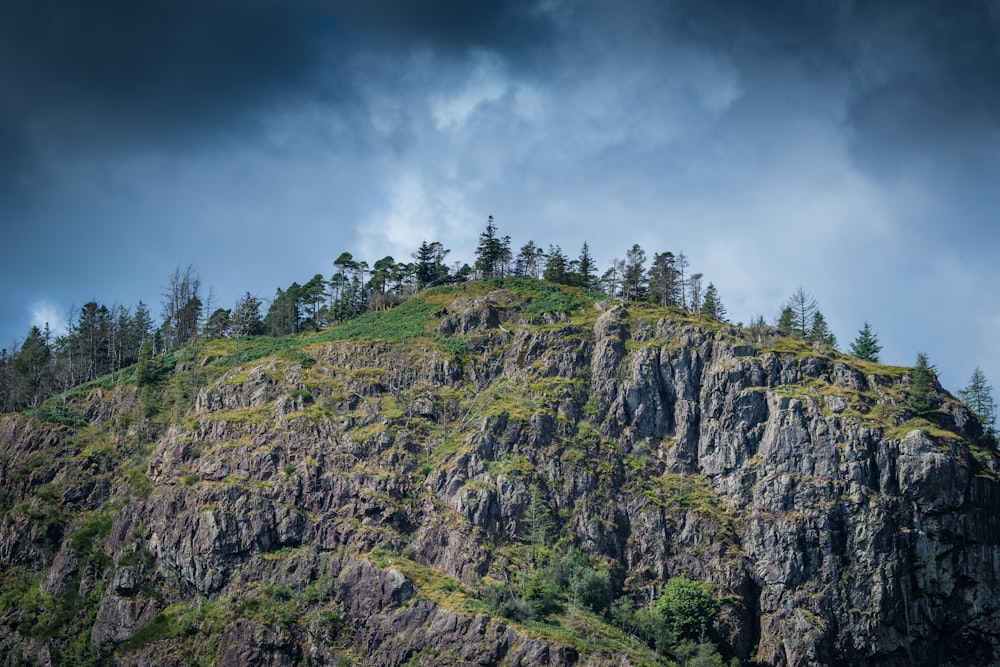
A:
{"points": [[848, 147]]}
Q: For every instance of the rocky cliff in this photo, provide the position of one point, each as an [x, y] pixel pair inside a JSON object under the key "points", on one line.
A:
{"points": [[349, 497]]}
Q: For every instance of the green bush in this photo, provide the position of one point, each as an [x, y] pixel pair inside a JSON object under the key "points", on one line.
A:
{"points": [[689, 608]]}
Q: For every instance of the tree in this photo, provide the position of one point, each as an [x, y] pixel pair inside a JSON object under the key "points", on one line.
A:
{"points": [[663, 279], [866, 345], [819, 331], [146, 370], [30, 369], [283, 314], [538, 522], [217, 325], [634, 280], [786, 321], [585, 268], [245, 319], [921, 398], [681, 265], [556, 266], [803, 307], [313, 294], [181, 307], [978, 397], [694, 293], [529, 260], [689, 608], [490, 252], [711, 306]]}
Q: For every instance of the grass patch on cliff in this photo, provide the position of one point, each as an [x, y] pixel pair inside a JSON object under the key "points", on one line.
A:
{"points": [[407, 320]]}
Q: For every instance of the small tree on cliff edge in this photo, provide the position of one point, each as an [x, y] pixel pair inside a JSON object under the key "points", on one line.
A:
{"points": [[978, 397], [866, 345], [921, 401]]}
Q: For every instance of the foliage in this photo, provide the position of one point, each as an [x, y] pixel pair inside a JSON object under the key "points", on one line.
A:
{"points": [[866, 345], [978, 397], [689, 608], [711, 306], [921, 399]]}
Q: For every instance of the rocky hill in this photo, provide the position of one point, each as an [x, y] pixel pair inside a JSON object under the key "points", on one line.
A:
{"points": [[388, 491]]}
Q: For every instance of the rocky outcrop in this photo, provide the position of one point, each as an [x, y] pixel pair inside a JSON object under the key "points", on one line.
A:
{"points": [[347, 506]]}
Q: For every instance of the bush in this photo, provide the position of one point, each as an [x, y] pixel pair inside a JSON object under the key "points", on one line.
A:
{"points": [[689, 608]]}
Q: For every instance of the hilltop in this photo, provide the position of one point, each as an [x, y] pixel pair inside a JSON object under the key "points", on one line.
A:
{"points": [[500, 472]]}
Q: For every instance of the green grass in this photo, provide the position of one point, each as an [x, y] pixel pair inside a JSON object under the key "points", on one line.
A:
{"points": [[407, 320]]}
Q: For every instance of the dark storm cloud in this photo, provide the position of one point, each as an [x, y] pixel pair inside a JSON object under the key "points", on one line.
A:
{"points": [[90, 76]]}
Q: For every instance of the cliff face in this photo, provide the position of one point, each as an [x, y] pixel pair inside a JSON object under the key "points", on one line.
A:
{"points": [[346, 500]]}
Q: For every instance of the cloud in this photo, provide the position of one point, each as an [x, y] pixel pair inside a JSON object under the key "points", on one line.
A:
{"points": [[45, 314]]}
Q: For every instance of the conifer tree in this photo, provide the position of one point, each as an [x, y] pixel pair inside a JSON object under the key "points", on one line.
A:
{"points": [[490, 252], [978, 397], [529, 260], [634, 279], [711, 305], [866, 345], [585, 268], [819, 331], [921, 399], [786, 321], [556, 266]]}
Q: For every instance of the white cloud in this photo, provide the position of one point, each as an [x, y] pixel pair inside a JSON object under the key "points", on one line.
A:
{"points": [[415, 215], [45, 314], [486, 84]]}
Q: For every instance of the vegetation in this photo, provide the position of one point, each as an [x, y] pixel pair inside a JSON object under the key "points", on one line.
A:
{"points": [[544, 583]]}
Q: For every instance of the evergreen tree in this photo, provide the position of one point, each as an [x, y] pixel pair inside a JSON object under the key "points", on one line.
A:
{"points": [[786, 321], [634, 279], [819, 331], [217, 325], [489, 253], [430, 268], [312, 295], [711, 306], [529, 260], [146, 369], [978, 397], [556, 266], [921, 399], [31, 371], [283, 314], [538, 522], [663, 280], [585, 268], [866, 345]]}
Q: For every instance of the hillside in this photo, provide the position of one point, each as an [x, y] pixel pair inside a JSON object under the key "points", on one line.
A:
{"points": [[473, 476]]}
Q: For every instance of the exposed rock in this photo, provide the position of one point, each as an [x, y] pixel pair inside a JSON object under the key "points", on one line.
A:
{"points": [[324, 512]]}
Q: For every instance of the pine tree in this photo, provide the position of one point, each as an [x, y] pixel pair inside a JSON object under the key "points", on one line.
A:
{"points": [[585, 268], [529, 260], [978, 397], [866, 345], [819, 331], [489, 253], [634, 279], [711, 306], [556, 266], [664, 280], [921, 399], [785, 321]]}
